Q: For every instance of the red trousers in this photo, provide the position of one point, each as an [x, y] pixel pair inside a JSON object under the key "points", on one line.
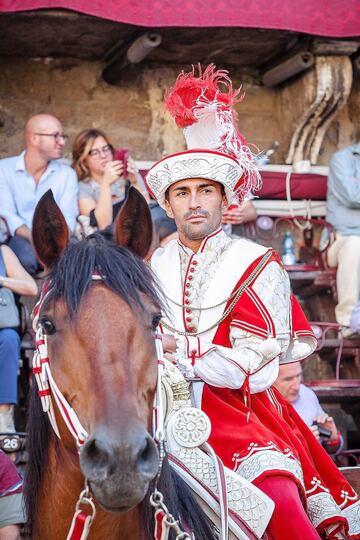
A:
{"points": [[289, 520]]}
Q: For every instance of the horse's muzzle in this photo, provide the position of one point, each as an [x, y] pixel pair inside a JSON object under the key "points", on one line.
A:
{"points": [[119, 466]]}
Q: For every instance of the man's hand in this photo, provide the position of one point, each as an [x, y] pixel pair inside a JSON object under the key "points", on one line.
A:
{"points": [[168, 343], [24, 232], [327, 422], [315, 431]]}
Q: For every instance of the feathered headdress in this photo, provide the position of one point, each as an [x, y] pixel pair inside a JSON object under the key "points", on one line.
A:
{"points": [[203, 106]]}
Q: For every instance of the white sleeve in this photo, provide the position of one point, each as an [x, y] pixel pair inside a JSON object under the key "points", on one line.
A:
{"points": [[226, 367]]}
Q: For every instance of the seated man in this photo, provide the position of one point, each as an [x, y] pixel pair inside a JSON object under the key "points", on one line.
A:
{"points": [[25, 178], [343, 212], [11, 500], [306, 404]]}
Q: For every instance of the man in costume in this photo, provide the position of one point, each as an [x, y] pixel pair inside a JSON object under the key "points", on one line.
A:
{"points": [[231, 320]]}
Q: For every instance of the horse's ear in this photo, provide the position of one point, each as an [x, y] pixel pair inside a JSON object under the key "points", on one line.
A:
{"points": [[49, 230], [133, 225]]}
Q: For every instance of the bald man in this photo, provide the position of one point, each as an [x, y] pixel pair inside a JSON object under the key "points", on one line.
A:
{"points": [[306, 404], [25, 178]]}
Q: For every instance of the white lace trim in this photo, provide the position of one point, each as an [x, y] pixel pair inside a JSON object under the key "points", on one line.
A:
{"points": [[347, 497], [321, 507], [352, 514], [262, 460], [317, 484]]}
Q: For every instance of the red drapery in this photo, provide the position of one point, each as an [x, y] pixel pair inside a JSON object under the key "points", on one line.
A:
{"points": [[333, 18]]}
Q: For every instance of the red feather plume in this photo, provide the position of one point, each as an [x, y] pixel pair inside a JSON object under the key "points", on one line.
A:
{"points": [[182, 98]]}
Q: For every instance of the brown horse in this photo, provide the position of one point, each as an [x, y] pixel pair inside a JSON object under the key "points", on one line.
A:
{"points": [[101, 350]]}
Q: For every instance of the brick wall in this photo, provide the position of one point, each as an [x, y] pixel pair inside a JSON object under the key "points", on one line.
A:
{"points": [[132, 112]]}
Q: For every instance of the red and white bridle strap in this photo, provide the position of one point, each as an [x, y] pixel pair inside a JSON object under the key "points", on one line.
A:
{"points": [[47, 388], [158, 408]]}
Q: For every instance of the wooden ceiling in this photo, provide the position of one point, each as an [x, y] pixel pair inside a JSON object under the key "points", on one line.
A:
{"points": [[59, 33]]}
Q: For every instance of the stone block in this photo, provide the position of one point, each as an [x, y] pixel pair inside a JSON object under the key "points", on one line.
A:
{"points": [[255, 127], [113, 115], [14, 113], [258, 100], [28, 79], [63, 110], [73, 79]]}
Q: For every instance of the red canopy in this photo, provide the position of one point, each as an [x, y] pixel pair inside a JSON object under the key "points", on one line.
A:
{"points": [[332, 18]]}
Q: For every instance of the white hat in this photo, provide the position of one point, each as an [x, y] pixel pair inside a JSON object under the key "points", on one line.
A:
{"points": [[216, 149]]}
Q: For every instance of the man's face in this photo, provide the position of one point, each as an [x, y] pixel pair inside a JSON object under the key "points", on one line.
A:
{"points": [[289, 380], [196, 205], [48, 138]]}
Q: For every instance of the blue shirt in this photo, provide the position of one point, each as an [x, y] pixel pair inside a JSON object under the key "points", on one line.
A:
{"points": [[343, 195], [19, 193]]}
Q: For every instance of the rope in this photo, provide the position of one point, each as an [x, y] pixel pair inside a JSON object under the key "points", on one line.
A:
{"points": [[291, 208]]}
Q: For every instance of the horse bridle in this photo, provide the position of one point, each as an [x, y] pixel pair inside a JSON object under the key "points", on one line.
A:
{"points": [[48, 389]]}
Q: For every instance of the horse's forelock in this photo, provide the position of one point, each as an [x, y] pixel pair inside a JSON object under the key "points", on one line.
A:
{"points": [[120, 270]]}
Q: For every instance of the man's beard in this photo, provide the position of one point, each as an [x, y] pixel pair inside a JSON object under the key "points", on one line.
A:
{"points": [[197, 232]]}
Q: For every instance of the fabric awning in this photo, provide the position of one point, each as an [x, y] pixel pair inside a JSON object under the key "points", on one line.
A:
{"points": [[331, 18]]}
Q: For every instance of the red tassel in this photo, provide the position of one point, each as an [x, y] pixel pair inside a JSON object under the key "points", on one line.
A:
{"points": [[247, 395]]}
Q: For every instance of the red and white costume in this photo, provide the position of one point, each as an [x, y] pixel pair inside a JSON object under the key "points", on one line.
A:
{"points": [[231, 311], [254, 431]]}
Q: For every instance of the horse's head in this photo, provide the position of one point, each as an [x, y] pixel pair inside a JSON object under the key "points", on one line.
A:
{"points": [[99, 316]]}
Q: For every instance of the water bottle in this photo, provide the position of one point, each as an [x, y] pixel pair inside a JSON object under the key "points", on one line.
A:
{"points": [[288, 250]]}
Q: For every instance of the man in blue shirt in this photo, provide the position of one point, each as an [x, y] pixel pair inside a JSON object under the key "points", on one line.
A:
{"points": [[343, 212], [305, 402], [25, 178]]}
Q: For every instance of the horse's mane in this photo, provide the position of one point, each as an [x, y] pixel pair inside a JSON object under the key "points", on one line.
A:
{"points": [[127, 276], [39, 433]]}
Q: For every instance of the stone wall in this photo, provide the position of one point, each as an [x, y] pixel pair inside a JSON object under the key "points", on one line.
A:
{"points": [[132, 113]]}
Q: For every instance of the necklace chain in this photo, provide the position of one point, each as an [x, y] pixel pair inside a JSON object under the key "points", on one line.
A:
{"points": [[237, 295], [183, 306]]}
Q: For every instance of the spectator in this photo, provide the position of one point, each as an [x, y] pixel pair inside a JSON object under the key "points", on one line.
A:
{"points": [[237, 214], [165, 228], [343, 212], [306, 404], [102, 180], [11, 500], [25, 178], [14, 277]]}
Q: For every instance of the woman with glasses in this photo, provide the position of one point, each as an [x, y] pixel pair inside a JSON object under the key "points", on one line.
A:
{"points": [[103, 182]]}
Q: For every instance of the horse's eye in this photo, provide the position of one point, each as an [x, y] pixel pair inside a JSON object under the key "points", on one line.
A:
{"points": [[155, 322], [48, 326]]}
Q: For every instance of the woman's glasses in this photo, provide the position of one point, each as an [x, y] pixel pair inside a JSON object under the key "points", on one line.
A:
{"points": [[96, 152]]}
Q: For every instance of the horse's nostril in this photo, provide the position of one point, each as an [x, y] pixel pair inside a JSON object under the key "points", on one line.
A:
{"points": [[97, 455], [147, 461]]}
